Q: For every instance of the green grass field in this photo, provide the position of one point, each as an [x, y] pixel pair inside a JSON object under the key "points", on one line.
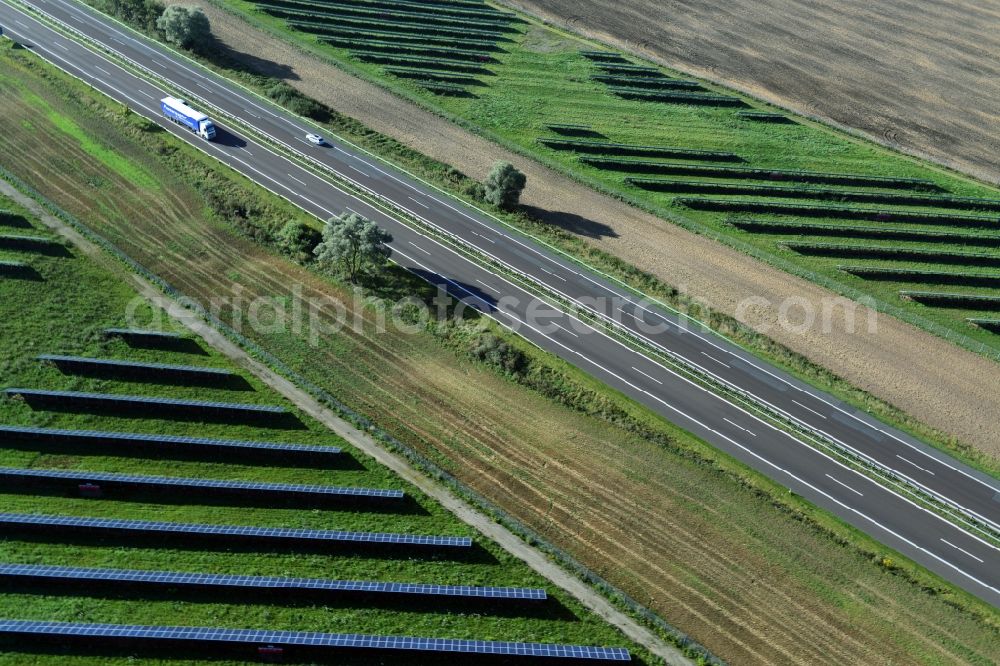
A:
{"points": [[534, 76], [63, 310]]}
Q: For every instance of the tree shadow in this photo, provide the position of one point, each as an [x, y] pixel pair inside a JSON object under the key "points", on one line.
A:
{"points": [[468, 294], [223, 55], [570, 222]]}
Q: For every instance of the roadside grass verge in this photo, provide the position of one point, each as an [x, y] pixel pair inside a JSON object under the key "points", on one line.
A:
{"points": [[746, 568]]}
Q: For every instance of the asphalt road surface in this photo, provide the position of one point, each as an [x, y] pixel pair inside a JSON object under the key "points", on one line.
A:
{"points": [[953, 553]]}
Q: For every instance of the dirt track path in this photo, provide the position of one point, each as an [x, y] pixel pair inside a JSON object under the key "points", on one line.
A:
{"points": [[952, 390]]}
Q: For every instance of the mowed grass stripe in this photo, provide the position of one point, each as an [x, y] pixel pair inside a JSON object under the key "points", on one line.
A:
{"points": [[923, 276], [809, 228], [954, 300], [842, 212], [929, 256], [431, 9], [291, 8], [757, 173], [823, 193]]}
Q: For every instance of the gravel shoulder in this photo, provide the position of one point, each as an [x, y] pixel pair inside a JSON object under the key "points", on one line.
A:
{"points": [[952, 390]]}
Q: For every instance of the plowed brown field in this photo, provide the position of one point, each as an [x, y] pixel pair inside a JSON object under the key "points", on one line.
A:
{"points": [[923, 77]]}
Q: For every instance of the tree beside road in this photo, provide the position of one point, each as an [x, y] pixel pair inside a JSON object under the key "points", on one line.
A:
{"points": [[352, 246]]}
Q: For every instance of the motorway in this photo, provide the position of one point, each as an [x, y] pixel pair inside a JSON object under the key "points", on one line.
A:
{"points": [[953, 553]]}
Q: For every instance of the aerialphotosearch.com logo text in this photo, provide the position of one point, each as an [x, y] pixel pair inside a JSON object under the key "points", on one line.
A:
{"points": [[318, 316]]}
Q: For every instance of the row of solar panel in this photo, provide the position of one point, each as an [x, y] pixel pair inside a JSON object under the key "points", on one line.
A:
{"points": [[171, 405], [101, 578], [83, 397], [136, 368], [173, 447], [276, 642], [134, 333], [66, 478], [51, 525], [170, 446]]}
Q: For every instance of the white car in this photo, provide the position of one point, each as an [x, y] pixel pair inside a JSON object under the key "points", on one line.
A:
{"points": [[315, 138]]}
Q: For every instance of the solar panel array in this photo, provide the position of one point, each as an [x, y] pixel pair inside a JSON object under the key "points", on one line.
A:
{"points": [[553, 651], [134, 366], [28, 432], [176, 579], [138, 333], [11, 473], [140, 400], [280, 534], [17, 240]]}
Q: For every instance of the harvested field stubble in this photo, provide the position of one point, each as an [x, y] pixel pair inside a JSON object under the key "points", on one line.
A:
{"points": [[713, 556]]}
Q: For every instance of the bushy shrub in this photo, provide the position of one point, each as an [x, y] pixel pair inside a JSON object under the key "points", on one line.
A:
{"points": [[141, 14], [489, 349], [187, 27], [503, 186], [298, 240]]}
